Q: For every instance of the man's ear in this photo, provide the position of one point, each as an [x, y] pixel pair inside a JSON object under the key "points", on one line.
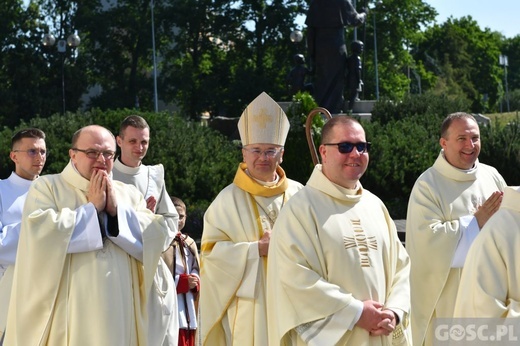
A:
{"points": [[12, 155], [442, 142]]}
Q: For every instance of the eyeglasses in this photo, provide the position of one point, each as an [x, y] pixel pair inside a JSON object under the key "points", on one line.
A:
{"points": [[33, 152], [347, 147], [94, 154], [269, 153]]}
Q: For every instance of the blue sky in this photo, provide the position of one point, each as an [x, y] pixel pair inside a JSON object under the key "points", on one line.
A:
{"points": [[497, 15]]}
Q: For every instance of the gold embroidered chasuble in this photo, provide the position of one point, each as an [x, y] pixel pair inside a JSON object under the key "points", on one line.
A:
{"points": [[327, 250], [232, 301]]}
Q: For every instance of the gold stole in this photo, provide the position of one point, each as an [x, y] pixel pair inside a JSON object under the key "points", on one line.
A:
{"points": [[250, 185]]}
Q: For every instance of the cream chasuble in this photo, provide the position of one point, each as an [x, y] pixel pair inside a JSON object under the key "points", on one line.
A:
{"points": [[329, 249], [440, 197], [490, 284], [232, 298], [88, 298]]}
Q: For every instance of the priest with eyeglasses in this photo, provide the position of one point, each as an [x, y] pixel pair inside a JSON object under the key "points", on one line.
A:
{"points": [[337, 271], [237, 231]]}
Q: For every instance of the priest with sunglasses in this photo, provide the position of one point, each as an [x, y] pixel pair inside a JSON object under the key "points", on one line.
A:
{"points": [[237, 231], [337, 271]]}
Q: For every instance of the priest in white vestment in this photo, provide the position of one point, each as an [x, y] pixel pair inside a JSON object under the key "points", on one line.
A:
{"points": [[134, 140], [449, 204], [490, 285], [337, 271], [29, 153], [87, 254], [237, 230]]}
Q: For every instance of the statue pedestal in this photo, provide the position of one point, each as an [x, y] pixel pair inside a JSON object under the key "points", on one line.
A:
{"points": [[285, 105], [363, 109], [364, 106]]}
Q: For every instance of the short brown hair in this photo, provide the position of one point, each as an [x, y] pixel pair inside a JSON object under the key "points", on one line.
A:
{"points": [[446, 123], [135, 121], [27, 133], [339, 119], [177, 202]]}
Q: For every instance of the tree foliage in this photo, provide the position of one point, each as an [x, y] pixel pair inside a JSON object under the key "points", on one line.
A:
{"points": [[117, 41], [198, 161], [465, 60], [397, 26], [215, 55], [27, 84], [227, 52]]}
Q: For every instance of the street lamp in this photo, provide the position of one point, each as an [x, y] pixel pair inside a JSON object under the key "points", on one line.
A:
{"points": [[376, 67], [296, 36], [155, 96], [73, 42], [354, 4], [502, 61]]}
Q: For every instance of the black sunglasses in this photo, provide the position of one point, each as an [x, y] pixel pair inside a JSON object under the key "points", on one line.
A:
{"points": [[347, 147]]}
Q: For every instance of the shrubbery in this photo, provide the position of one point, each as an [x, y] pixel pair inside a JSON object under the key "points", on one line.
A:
{"points": [[199, 161], [405, 142]]}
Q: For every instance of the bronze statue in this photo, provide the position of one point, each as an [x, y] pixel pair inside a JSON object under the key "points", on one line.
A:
{"points": [[354, 82], [297, 76], [326, 22]]}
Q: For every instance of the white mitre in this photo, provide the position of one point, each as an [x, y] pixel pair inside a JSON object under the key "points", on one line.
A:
{"points": [[263, 121]]}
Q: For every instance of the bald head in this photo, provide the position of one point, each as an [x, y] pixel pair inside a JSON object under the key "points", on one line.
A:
{"points": [[93, 148], [91, 129]]}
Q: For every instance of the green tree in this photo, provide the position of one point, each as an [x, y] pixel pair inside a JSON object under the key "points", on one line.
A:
{"points": [[117, 43], [227, 52], [198, 161], [31, 75], [398, 25], [464, 57], [511, 48]]}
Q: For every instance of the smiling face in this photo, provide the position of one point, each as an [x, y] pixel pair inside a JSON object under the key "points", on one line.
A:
{"points": [[262, 160], [461, 143], [134, 145], [27, 166], [93, 138], [344, 169]]}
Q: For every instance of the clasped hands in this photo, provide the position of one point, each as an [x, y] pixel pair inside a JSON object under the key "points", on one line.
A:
{"points": [[101, 193], [377, 320]]}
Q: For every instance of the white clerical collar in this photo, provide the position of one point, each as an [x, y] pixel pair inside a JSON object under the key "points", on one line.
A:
{"points": [[266, 183], [126, 169], [470, 170], [349, 192], [17, 180]]}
